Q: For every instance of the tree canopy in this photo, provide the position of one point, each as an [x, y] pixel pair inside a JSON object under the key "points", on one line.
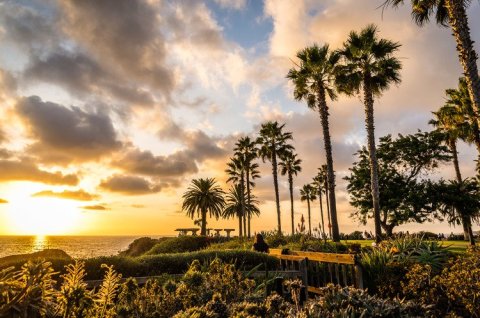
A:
{"points": [[406, 192]]}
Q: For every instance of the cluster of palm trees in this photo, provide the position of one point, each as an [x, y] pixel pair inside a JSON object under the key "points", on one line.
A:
{"points": [[365, 65], [272, 144]]}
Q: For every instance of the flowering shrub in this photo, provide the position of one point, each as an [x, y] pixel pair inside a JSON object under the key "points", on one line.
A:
{"points": [[455, 290]]}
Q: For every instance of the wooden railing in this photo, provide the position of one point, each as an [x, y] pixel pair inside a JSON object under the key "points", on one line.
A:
{"points": [[319, 269]]}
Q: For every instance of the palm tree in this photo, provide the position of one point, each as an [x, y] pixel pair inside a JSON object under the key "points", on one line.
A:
{"points": [[320, 181], [307, 193], [465, 118], [202, 196], [369, 65], [273, 143], [290, 166], [454, 14], [246, 148], [314, 81], [452, 121], [236, 172], [234, 205]]}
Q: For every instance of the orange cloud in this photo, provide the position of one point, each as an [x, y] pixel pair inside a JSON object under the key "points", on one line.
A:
{"points": [[79, 195]]}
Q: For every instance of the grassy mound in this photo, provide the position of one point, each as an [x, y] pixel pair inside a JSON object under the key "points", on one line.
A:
{"points": [[183, 244], [50, 254], [140, 246]]}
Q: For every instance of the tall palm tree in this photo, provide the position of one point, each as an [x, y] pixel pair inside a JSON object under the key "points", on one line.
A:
{"points": [[236, 174], [234, 205], [273, 143], [203, 196], [454, 14], [369, 65], [246, 148], [314, 80], [320, 182], [307, 193], [290, 166]]}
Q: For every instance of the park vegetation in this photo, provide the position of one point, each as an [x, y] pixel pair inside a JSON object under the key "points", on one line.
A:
{"points": [[391, 183]]}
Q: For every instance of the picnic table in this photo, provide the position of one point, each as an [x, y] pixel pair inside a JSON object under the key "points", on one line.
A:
{"points": [[184, 231], [228, 231]]}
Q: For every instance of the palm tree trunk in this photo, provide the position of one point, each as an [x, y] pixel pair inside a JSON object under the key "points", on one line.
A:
{"points": [[328, 210], [321, 212], [290, 184], [453, 149], [275, 184], [458, 21], [323, 109], [466, 222], [309, 219], [240, 233], [369, 123], [203, 231], [244, 210], [249, 200]]}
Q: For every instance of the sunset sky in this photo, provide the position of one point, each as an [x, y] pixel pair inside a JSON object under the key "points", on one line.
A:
{"points": [[110, 108]]}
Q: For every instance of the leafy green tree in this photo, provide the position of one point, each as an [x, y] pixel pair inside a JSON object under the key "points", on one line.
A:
{"points": [[369, 65], [203, 196], [247, 149], [314, 80], [290, 166], [458, 201], [406, 195], [451, 13], [273, 143], [308, 193], [234, 205]]}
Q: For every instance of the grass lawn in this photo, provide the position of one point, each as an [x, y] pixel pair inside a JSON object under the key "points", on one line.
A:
{"points": [[454, 246]]}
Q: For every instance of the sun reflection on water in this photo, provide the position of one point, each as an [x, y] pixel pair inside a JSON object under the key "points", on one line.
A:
{"points": [[40, 243]]}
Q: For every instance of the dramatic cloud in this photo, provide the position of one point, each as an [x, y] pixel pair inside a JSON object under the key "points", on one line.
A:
{"points": [[129, 185], [24, 170], [95, 207], [131, 41], [65, 134], [82, 76], [79, 195], [27, 27], [144, 162]]}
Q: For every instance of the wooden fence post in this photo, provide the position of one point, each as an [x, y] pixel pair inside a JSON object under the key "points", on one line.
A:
{"points": [[303, 267], [358, 276]]}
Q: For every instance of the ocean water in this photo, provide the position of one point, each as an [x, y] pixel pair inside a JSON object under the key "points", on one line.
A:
{"points": [[75, 246]]}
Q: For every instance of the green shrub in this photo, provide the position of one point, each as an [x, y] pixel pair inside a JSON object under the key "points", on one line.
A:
{"points": [[455, 291], [237, 243], [140, 246]]}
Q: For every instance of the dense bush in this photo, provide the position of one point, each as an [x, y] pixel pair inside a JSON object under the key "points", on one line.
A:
{"points": [[385, 265], [455, 290]]}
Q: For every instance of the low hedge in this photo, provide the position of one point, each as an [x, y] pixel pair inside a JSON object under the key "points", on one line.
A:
{"points": [[153, 265], [183, 244]]}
